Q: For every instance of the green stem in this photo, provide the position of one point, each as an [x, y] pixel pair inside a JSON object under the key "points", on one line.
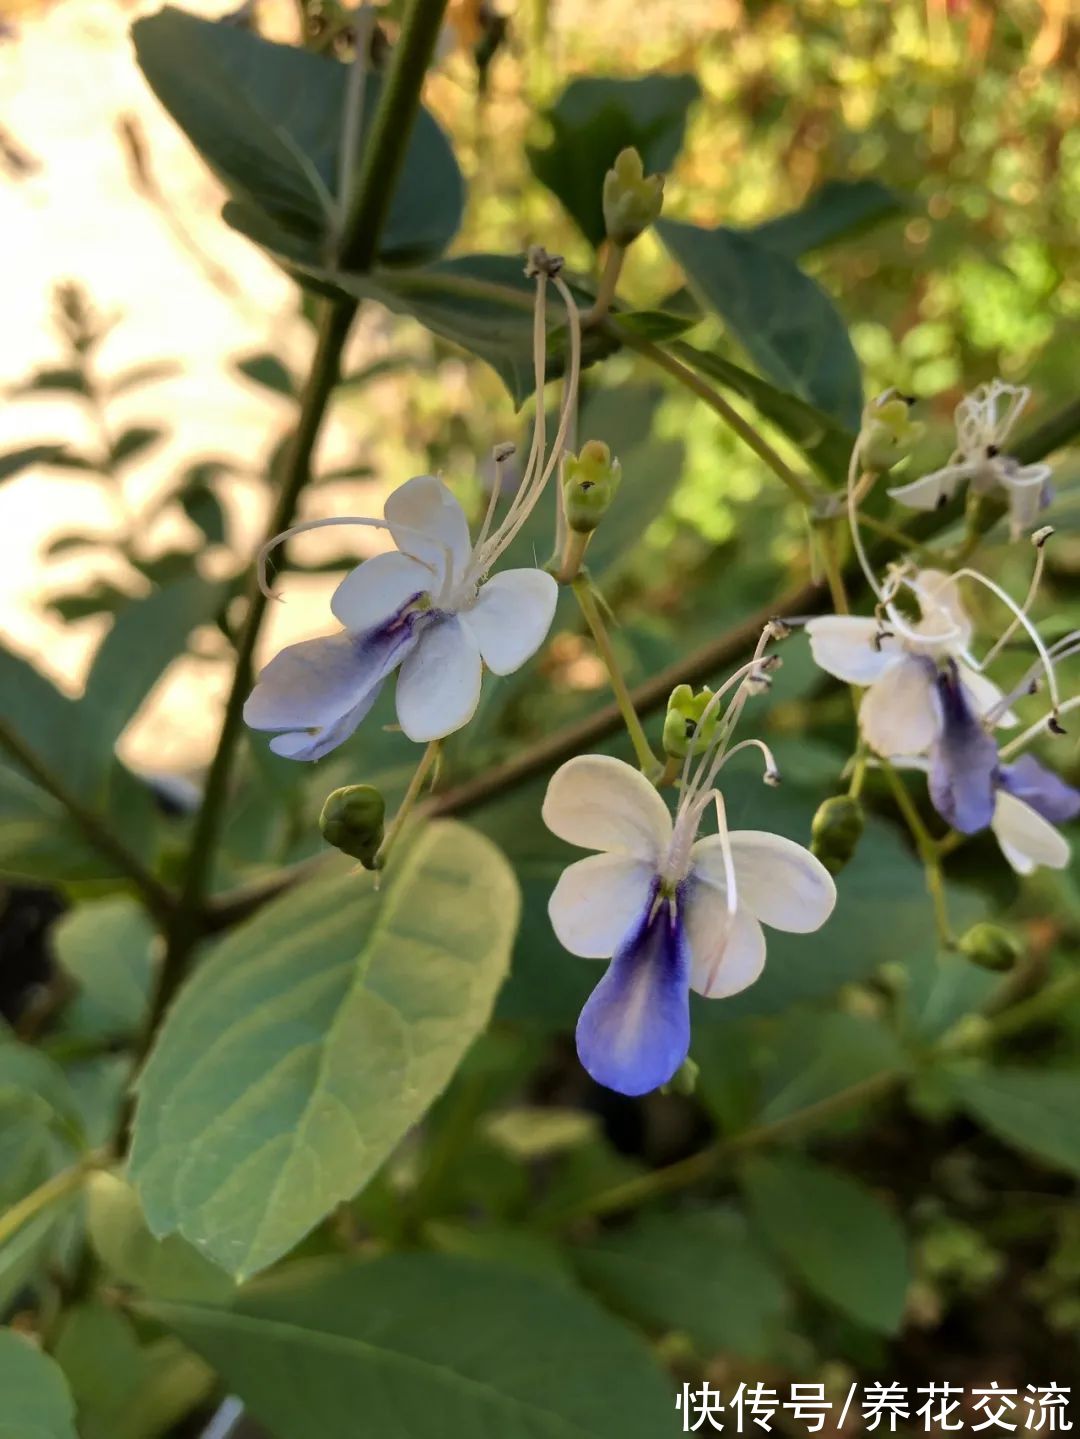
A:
{"points": [[609, 280], [929, 853], [153, 893], [699, 1166], [388, 141], [582, 587], [68, 1181], [186, 928], [412, 794], [694, 382]]}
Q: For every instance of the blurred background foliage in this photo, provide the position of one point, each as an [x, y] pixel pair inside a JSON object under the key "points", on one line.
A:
{"points": [[923, 1228]]}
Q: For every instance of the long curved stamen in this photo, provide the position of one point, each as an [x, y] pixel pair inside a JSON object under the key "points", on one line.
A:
{"points": [[853, 523], [1047, 722], [731, 895], [534, 484], [1006, 599], [500, 455], [1039, 540], [709, 763], [539, 436], [364, 520], [772, 770]]}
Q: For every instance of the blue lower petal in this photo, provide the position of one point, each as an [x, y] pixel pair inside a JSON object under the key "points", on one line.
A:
{"points": [[634, 1031], [1046, 792], [963, 762]]}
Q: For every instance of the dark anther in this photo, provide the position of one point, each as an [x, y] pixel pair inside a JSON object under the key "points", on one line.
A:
{"points": [[992, 452], [691, 728], [1055, 726]]}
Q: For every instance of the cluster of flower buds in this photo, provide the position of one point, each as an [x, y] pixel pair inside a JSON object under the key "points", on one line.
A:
{"points": [[632, 199], [687, 727], [888, 433], [590, 481]]}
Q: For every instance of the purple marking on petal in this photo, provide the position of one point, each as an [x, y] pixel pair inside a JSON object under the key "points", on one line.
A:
{"points": [[322, 689], [1046, 792], [634, 1031], [963, 762], [1046, 495]]}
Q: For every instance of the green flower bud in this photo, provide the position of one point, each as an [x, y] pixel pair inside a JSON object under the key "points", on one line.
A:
{"points": [[836, 830], [991, 947], [888, 433], [352, 821], [683, 720], [632, 199], [590, 481], [684, 1080]]}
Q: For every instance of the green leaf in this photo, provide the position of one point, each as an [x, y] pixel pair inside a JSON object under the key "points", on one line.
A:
{"points": [[37, 838], [836, 1236], [36, 1401], [826, 443], [316, 1034], [817, 1056], [162, 1268], [425, 1346], [596, 117], [836, 211], [203, 508], [484, 303], [1033, 1109], [13, 462], [125, 1389], [782, 318], [268, 371], [146, 637], [105, 947], [267, 119], [51, 380], [99, 597], [27, 1251], [133, 442], [697, 1272], [63, 544], [147, 373]]}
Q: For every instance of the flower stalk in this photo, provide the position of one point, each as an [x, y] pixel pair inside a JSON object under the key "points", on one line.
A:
{"points": [[647, 761]]}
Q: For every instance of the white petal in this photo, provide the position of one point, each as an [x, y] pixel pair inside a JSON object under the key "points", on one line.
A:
{"points": [[942, 607], [599, 802], [378, 588], [985, 694], [727, 951], [1026, 839], [597, 901], [847, 646], [427, 522], [776, 880], [511, 617], [898, 714], [439, 685], [1025, 492], [933, 489]]}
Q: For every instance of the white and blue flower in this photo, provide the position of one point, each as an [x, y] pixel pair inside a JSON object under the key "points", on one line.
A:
{"points": [[426, 610], [671, 912], [984, 422], [900, 663]]}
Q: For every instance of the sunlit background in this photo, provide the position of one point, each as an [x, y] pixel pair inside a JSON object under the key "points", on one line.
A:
{"points": [[967, 109]]}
